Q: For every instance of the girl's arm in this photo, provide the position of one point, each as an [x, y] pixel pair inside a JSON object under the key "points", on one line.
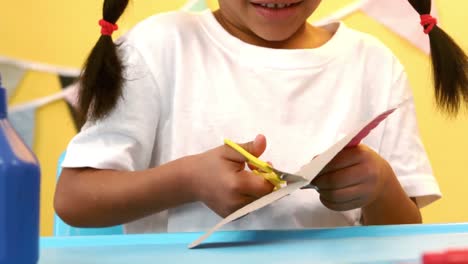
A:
{"points": [[392, 206], [97, 198], [89, 197]]}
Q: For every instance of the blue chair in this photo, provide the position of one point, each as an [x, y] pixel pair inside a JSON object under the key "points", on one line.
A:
{"points": [[63, 229]]}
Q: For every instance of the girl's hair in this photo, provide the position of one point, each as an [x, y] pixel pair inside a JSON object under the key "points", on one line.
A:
{"points": [[102, 78], [449, 65]]}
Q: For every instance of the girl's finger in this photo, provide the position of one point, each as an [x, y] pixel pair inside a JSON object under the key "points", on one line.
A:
{"points": [[342, 178], [343, 206], [344, 195]]}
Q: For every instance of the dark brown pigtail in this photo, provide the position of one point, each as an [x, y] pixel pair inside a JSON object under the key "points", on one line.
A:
{"points": [[449, 64], [102, 77]]}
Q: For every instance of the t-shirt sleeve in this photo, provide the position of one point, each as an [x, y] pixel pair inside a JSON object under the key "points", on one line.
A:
{"points": [[402, 147], [124, 139]]}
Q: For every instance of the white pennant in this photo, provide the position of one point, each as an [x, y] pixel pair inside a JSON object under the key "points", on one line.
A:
{"points": [[40, 67], [195, 5], [71, 94], [11, 77], [401, 18], [24, 122]]}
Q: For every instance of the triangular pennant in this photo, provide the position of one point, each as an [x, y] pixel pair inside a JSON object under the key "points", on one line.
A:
{"points": [[195, 5], [71, 97], [24, 123], [66, 80], [11, 77], [401, 18]]}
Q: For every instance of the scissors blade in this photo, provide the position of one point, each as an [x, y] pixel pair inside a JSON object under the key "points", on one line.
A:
{"points": [[288, 177], [292, 178]]}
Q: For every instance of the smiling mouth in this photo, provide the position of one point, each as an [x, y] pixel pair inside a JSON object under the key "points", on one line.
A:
{"points": [[276, 5]]}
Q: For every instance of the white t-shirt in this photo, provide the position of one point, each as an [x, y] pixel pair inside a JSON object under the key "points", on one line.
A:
{"points": [[190, 84]]}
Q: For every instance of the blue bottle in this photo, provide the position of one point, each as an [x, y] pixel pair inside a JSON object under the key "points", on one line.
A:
{"points": [[19, 195]]}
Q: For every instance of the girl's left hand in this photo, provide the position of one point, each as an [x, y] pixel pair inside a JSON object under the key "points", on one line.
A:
{"points": [[353, 179]]}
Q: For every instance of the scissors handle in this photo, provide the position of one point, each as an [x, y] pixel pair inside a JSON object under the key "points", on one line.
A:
{"points": [[251, 159], [265, 167]]}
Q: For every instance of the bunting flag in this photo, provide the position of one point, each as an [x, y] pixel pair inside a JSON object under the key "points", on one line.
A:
{"points": [[11, 77], [400, 17], [38, 67], [195, 5], [71, 95], [66, 81], [71, 98], [23, 122]]}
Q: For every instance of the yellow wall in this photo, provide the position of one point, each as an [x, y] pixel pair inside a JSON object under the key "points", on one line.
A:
{"points": [[62, 32]]}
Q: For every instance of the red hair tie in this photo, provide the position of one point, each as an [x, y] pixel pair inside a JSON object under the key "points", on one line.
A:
{"points": [[107, 28], [428, 22]]}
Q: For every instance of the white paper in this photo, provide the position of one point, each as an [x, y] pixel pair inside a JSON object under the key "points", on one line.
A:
{"points": [[309, 171]]}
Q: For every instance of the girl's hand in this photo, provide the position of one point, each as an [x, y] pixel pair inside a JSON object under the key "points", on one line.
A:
{"points": [[353, 179], [220, 181]]}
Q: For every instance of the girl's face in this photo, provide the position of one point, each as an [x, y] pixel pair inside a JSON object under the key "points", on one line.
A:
{"points": [[270, 20]]}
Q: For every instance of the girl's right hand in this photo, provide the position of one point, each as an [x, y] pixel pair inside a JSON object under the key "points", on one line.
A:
{"points": [[220, 181]]}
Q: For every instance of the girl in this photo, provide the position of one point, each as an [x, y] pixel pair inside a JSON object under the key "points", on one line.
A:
{"points": [[158, 104]]}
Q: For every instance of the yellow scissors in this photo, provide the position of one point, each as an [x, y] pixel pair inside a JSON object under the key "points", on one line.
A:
{"points": [[274, 176]]}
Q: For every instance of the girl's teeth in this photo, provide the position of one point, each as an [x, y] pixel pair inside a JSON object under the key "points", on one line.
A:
{"points": [[275, 6]]}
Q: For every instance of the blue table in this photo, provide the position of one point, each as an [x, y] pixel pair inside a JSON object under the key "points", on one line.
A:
{"points": [[384, 244]]}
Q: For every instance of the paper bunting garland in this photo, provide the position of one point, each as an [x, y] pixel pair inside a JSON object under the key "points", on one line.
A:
{"points": [[397, 15]]}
